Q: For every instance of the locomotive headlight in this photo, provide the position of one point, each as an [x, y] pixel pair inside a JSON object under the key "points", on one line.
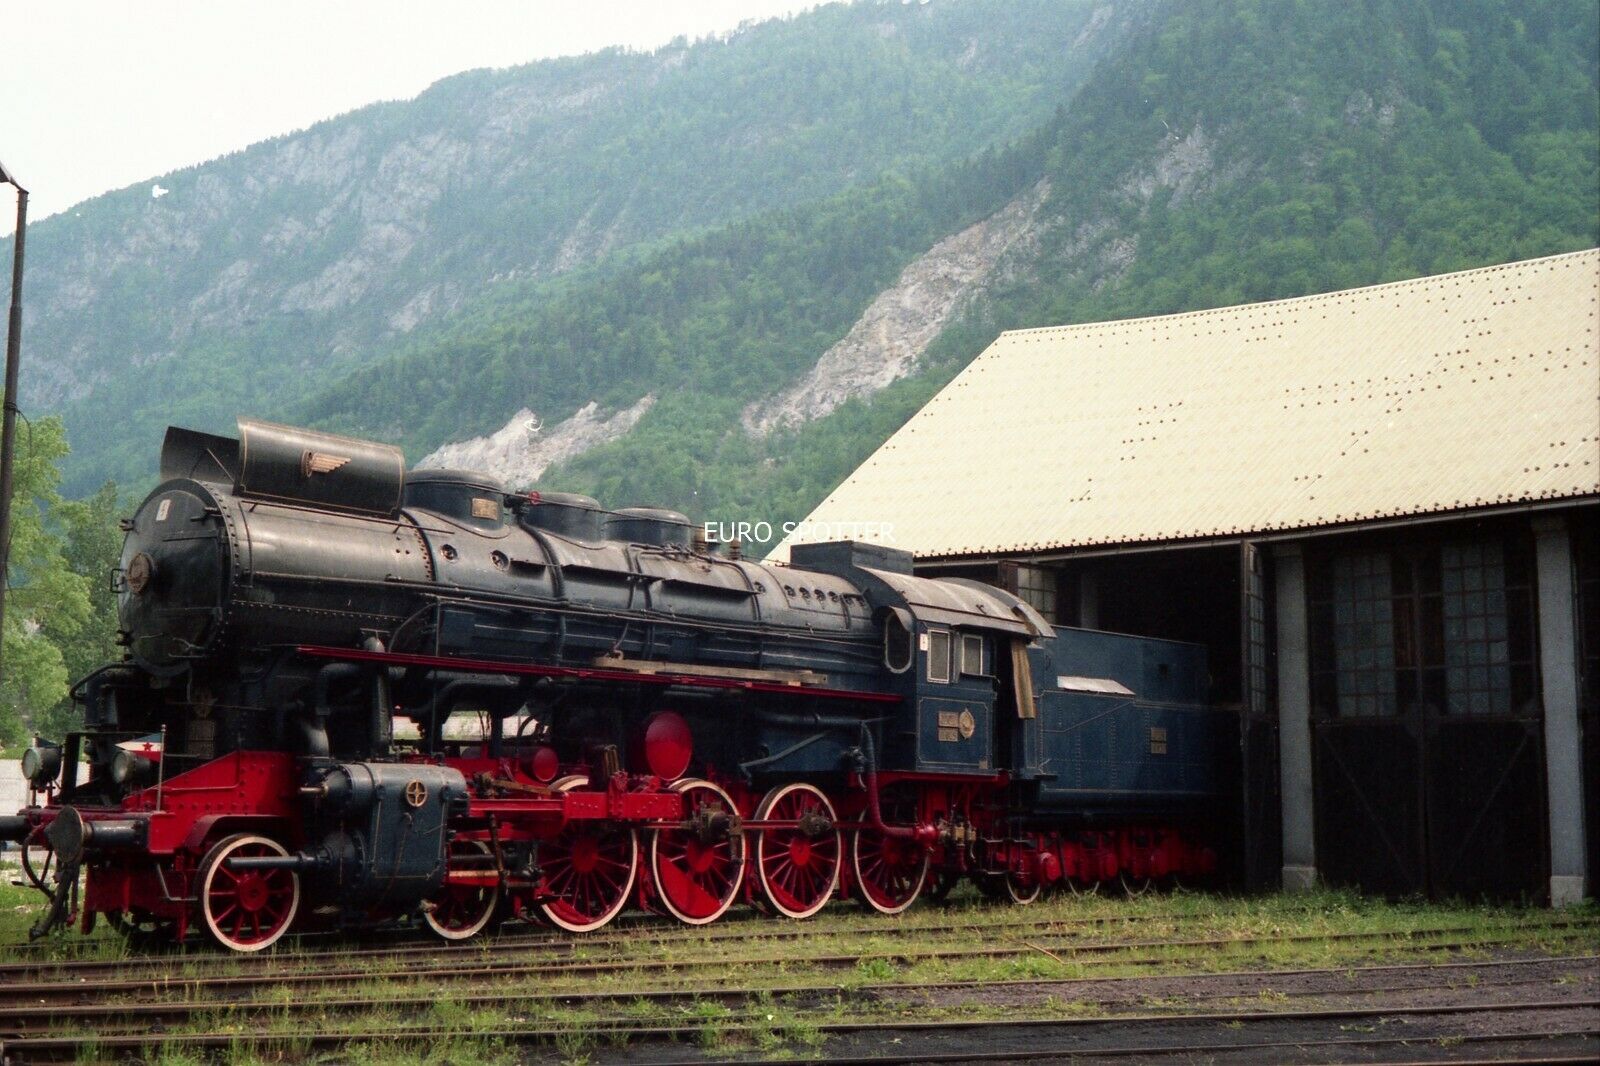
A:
{"points": [[40, 765], [129, 769]]}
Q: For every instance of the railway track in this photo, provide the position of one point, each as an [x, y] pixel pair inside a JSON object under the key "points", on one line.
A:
{"points": [[645, 930], [1185, 1040], [1145, 1035], [633, 927], [512, 953], [680, 994], [45, 987], [132, 1019]]}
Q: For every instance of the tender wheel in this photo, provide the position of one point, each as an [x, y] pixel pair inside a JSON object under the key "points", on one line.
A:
{"points": [[590, 868], [246, 910], [699, 870], [1021, 893], [1136, 886], [462, 911], [798, 866], [1008, 887]]}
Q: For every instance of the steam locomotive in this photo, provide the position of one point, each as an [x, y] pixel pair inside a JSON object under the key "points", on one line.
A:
{"points": [[353, 694]]}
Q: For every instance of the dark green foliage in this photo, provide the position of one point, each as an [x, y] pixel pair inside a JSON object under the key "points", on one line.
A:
{"points": [[92, 545], [48, 605], [1350, 144]]}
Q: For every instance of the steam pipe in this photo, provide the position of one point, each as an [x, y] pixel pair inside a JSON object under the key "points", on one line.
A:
{"points": [[767, 760], [325, 680], [814, 720], [923, 832], [314, 731]]}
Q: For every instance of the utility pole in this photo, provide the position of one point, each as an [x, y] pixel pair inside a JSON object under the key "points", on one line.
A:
{"points": [[8, 430]]}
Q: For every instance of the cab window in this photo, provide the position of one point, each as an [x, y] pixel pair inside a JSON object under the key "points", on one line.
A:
{"points": [[896, 644], [938, 655], [972, 655]]}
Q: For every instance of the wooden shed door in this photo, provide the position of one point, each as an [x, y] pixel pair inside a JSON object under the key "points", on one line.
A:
{"points": [[1427, 731]]}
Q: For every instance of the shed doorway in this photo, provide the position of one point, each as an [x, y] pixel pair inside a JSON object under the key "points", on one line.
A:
{"points": [[1427, 730]]}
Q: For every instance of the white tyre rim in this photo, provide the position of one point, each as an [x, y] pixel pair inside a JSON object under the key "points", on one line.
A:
{"points": [[568, 784], [861, 882], [737, 853], [763, 877], [471, 930], [225, 920]]}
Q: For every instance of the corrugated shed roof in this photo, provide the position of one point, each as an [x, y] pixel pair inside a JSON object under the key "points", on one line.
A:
{"points": [[1462, 390]]}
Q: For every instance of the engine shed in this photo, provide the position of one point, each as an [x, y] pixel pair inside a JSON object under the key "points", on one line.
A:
{"points": [[1378, 509]]}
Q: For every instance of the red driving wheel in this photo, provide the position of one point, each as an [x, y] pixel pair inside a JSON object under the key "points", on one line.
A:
{"points": [[698, 869], [798, 865], [589, 869]]}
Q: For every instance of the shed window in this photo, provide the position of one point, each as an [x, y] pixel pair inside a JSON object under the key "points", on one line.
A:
{"points": [[1036, 587], [1481, 606], [1444, 627], [972, 655], [1363, 635], [938, 655]]}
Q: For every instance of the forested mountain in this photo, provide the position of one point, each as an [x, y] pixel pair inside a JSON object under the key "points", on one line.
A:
{"points": [[1225, 153], [261, 274]]}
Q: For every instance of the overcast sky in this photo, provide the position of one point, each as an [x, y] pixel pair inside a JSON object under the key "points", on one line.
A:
{"points": [[99, 94]]}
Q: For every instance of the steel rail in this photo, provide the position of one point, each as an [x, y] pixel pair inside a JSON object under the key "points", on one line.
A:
{"points": [[1101, 954], [630, 929], [1185, 1053], [32, 1047], [748, 931], [444, 956], [13, 1019]]}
